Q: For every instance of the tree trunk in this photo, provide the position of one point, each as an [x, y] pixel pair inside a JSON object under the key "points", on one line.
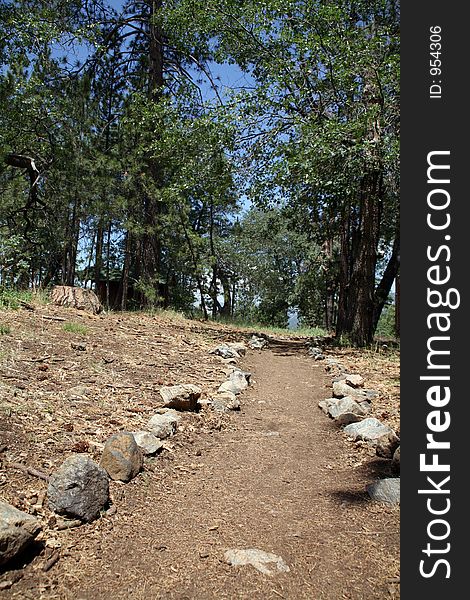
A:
{"points": [[385, 285], [125, 271], [358, 299], [98, 255], [151, 244]]}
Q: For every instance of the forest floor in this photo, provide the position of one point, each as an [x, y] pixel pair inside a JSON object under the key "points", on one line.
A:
{"points": [[278, 475]]}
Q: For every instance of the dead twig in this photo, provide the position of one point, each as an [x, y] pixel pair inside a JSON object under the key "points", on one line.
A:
{"points": [[51, 562], [53, 318], [27, 470]]}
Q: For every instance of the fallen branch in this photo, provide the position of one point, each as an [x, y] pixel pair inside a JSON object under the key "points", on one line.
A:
{"points": [[52, 318], [27, 470], [51, 562]]}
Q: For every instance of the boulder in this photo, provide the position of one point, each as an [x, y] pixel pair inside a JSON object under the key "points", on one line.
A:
{"points": [[374, 433], [181, 397], [79, 488], [346, 410], [17, 531], [148, 442], [385, 490], [121, 458], [163, 425]]}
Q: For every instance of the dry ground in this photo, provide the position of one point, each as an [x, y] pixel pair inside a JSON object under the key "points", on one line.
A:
{"points": [[278, 475]]}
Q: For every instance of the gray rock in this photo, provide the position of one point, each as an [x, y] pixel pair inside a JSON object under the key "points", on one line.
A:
{"points": [[225, 351], [346, 410], [396, 461], [325, 404], [257, 559], [229, 386], [162, 425], [181, 397], [257, 343], [121, 458], [376, 434], [17, 531], [342, 389], [370, 394], [225, 402], [316, 353], [356, 381], [148, 442], [239, 347], [240, 378], [385, 490], [79, 488], [237, 382]]}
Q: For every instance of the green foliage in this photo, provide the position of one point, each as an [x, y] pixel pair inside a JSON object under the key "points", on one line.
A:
{"points": [[386, 325], [76, 328], [11, 298], [4, 329], [143, 157]]}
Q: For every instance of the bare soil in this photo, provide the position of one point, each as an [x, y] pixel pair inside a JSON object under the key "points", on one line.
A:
{"points": [[278, 476]]}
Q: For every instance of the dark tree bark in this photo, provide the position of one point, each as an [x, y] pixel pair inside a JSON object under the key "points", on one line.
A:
{"points": [[125, 271], [357, 307]]}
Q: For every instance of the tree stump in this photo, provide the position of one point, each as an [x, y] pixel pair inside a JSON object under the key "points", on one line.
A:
{"points": [[74, 297]]}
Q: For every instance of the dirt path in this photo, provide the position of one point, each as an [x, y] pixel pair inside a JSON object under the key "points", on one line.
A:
{"points": [[280, 480], [278, 477]]}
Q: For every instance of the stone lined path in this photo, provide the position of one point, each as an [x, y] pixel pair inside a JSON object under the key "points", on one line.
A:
{"points": [[280, 480]]}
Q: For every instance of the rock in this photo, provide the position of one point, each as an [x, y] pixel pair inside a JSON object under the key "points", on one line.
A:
{"points": [[148, 442], [316, 353], [346, 410], [331, 364], [121, 458], [239, 347], [245, 374], [225, 351], [396, 461], [225, 402], [257, 343], [325, 404], [181, 397], [240, 378], [257, 559], [341, 389], [162, 425], [75, 297], [79, 488], [231, 386], [17, 531], [356, 381], [385, 490], [375, 433]]}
